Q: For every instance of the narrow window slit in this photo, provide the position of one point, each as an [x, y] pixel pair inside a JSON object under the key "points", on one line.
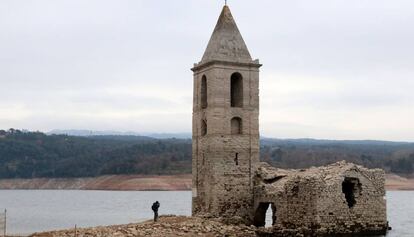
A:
{"points": [[236, 159], [203, 92], [203, 127]]}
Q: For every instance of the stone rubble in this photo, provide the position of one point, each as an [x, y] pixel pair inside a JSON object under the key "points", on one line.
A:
{"points": [[167, 226]]}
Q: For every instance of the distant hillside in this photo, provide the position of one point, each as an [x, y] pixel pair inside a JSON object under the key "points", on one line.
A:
{"points": [[34, 154], [395, 157], [88, 133], [26, 154]]}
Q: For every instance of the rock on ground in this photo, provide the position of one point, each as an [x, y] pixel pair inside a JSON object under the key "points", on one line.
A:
{"points": [[167, 226]]}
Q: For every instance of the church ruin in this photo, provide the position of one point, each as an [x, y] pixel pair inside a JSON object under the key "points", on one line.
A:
{"points": [[230, 182], [340, 198]]}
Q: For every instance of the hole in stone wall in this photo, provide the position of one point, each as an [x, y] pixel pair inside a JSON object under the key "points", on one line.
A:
{"points": [[351, 187], [203, 127], [295, 190], [270, 216], [264, 215], [274, 179], [236, 159], [236, 93]]}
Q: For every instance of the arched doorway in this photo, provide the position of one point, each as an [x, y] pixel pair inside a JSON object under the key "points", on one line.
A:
{"points": [[265, 216]]}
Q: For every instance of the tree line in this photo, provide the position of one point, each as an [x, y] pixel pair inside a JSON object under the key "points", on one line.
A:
{"points": [[25, 154], [393, 157]]}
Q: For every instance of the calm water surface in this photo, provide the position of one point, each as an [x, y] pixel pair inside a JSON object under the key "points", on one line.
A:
{"points": [[37, 210]]}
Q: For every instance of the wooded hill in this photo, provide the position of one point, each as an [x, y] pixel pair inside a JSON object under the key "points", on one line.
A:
{"points": [[33, 154]]}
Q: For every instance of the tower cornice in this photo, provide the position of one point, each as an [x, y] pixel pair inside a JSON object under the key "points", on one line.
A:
{"points": [[200, 66]]}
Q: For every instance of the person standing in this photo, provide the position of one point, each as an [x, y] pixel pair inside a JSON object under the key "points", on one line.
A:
{"points": [[154, 208]]}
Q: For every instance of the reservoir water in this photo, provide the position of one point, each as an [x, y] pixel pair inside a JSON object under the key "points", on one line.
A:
{"points": [[31, 211]]}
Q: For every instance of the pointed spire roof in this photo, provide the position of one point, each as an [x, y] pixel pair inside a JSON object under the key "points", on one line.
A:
{"points": [[226, 42]]}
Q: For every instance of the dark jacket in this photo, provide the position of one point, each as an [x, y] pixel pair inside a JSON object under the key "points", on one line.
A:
{"points": [[155, 206]]}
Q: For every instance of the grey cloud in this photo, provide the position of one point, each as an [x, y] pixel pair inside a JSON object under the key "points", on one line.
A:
{"points": [[61, 58]]}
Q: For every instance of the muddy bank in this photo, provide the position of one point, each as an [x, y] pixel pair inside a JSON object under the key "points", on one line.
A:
{"points": [[142, 183], [111, 182], [395, 182]]}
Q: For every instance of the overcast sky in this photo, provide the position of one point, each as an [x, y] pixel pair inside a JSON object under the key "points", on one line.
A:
{"points": [[337, 69]]}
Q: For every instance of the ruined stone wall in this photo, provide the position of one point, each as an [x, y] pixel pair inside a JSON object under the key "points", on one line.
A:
{"points": [[342, 198], [300, 203], [294, 199], [368, 212], [222, 161]]}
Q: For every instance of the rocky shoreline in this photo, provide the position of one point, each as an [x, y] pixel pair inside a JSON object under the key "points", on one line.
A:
{"points": [[143, 183], [183, 226], [167, 226]]}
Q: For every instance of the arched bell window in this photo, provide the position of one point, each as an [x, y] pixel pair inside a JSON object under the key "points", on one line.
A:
{"points": [[236, 90]]}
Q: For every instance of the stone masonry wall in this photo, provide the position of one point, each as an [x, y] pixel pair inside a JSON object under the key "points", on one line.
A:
{"points": [[222, 162], [342, 198], [369, 210]]}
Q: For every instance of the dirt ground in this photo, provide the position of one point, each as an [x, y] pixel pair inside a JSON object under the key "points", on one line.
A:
{"points": [[395, 182], [144, 183]]}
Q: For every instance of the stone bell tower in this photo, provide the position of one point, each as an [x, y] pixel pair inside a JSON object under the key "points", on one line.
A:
{"points": [[225, 125]]}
